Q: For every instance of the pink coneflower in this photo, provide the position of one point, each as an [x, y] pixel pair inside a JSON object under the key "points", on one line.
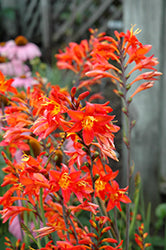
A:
{"points": [[12, 68], [25, 50], [7, 49], [15, 228], [25, 81]]}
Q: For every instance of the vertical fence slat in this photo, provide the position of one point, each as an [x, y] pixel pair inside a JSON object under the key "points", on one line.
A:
{"points": [[45, 22], [93, 18], [162, 174], [82, 7], [145, 106], [29, 11]]}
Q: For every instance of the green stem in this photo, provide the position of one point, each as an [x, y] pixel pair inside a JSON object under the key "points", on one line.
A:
{"points": [[25, 219], [65, 217], [111, 232], [127, 133], [36, 224], [165, 235], [42, 213], [75, 233]]}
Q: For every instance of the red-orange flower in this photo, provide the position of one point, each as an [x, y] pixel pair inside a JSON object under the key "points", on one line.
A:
{"points": [[6, 85], [74, 56], [73, 148], [62, 245], [64, 180], [104, 179], [51, 118], [33, 183], [49, 246], [92, 121], [116, 195], [143, 86], [150, 76], [138, 54], [51, 227], [12, 211]]}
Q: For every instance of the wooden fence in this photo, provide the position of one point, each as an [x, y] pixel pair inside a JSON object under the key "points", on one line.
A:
{"points": [[57, 21], [149, 108]]}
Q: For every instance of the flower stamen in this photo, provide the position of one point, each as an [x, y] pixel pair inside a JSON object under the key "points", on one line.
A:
{"points": [[64, 181], [88, 121]]}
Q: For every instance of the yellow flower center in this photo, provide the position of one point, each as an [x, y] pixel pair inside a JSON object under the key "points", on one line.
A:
{"points": [[56, 109], [64, 181], [25, 157], [23, 76], [88, 121], [21, 41], [100, 185], [114, 197], [3, 59], [2, 44]]}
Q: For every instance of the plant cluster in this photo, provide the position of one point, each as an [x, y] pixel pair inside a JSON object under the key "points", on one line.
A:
{"points": [[57, 145]]}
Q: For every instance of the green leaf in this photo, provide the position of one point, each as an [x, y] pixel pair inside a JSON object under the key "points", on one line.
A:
{"points": [[161, 211], [157, 241]]}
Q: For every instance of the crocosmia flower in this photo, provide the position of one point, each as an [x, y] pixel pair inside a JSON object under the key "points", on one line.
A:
{"points": [[6, 85], [92, 121]]}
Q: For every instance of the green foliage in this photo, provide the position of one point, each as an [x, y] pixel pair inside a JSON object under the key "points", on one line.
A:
{"points": [[161, 211], [62, 78], [4, 234], [8, 13]]}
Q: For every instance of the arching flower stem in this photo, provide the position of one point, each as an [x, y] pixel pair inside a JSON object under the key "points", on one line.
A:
{"points": [[126, 132]]}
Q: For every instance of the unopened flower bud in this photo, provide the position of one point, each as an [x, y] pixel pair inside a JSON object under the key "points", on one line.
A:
{"points": [[124, 110], [129, 100], [87, 164], [96, 154], [128, 86], [125, 140], [83, 95], [73, 91], [137, 179], [133, 122], [120, 93], [96, 177]]}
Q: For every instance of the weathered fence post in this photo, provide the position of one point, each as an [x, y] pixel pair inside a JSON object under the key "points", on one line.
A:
{"points": [[149, 108], [162, 135], [45, 23]]}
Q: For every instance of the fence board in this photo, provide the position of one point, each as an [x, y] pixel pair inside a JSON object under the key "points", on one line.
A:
{"points": [[45, 21], [68, 23], [33, 26], [30, 10], [146, 106], [162, 108], [58, 8], [29, 13], [93, 18]]}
